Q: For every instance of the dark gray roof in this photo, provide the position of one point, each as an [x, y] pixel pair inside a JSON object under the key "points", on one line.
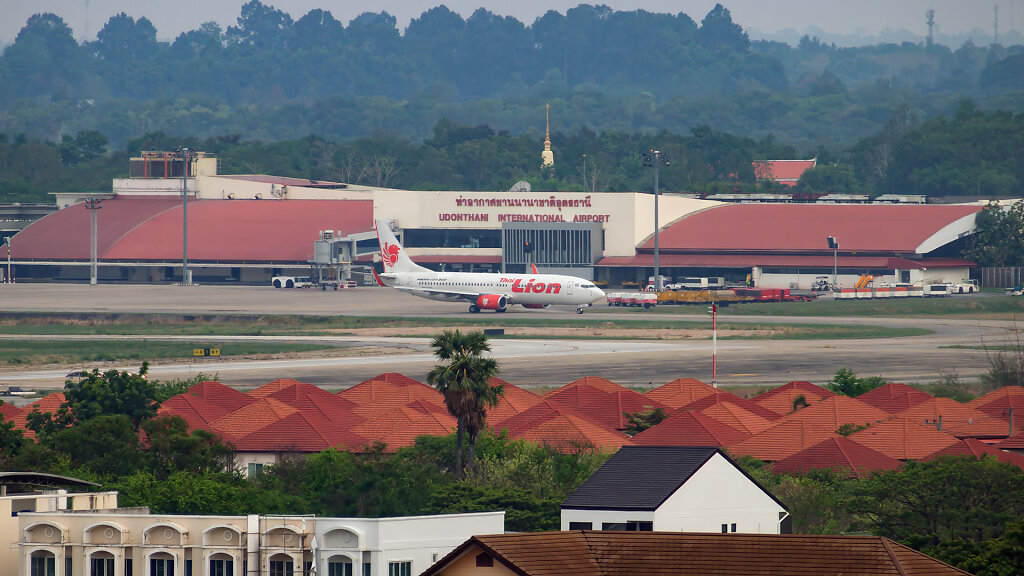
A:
{"points": [[42, 479], [639, 477]]}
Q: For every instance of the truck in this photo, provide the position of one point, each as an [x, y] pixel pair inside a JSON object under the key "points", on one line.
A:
{"points": [[940, 290], [969, 286], [292, 282], [698, 283]]}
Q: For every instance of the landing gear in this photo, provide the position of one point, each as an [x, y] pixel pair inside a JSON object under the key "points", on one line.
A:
{"points": [[473, 309], [500, 310], [579, 310]]}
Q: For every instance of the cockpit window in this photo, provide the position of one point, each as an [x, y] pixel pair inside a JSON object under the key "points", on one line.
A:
{"points": [[587, 286]]}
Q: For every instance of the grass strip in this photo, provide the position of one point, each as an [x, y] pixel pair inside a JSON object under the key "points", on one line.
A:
{"points": [[29, 353]]}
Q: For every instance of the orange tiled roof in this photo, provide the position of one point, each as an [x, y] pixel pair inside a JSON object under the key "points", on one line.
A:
{"points": [[739, 418], [514, 401], [720, 396], [781, 398], [220, 395], [1015, 442], [195, 411], [9, 411], [834, 411], [903, 439], [251, 418], [273, 387], [680, 392], [996, 396], [959, 420], [381, 393], [689, 428], [395, 378], [570, 432], [977, 448], [300, 432], [610, 553], [49, 403], [839, 453], [782, 440], [894, 397], [782, 171], [611, 409], [400, 427]]}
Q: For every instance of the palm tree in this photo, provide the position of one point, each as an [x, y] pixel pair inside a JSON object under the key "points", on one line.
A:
{"points": [[462, 379]]}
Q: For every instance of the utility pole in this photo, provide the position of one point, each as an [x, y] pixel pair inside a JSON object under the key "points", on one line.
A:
{"points": [[713, 310], [185, 276], [655, 159], [833, 243], [92, 205]]}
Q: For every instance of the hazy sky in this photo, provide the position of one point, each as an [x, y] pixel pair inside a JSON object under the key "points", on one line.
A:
{"points": [[868, 17]]}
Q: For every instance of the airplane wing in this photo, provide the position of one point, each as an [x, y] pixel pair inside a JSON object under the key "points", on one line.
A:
{"points": [[451, 294]]}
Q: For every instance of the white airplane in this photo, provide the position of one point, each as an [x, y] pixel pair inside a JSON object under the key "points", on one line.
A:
{"points": [[483, 291]]}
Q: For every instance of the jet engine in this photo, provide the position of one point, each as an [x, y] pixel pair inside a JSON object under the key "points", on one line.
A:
{"points": [[491, 302]]}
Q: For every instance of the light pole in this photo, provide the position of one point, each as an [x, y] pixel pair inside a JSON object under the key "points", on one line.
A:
{"points": [[184, 152], [92, 205], [655, 159], [713, 310], [833, 243], [7, 240]]}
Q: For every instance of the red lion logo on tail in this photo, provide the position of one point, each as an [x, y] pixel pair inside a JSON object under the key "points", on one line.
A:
{"points": [[389, 252]]}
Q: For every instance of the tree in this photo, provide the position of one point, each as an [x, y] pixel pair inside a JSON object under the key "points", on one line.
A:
{"points": [[463, 381], [718, 30], [999, 240], [644, 419], [847, 383], [172, 447]]}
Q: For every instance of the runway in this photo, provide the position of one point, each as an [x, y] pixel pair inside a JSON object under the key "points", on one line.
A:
{"points": [[524, 362]]}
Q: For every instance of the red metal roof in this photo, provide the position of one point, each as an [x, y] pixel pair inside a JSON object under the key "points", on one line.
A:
{"points": [[689, 428], [880, 228], [786, 171], [838, 453], [894, 397], [133, 228], [718, 260]]}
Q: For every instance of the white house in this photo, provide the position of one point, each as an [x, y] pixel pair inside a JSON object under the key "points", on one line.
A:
{"points": [[673, 489]]}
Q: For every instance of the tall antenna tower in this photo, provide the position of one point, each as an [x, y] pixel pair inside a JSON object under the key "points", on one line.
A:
{"points": [[995, 24], [930, 18]]}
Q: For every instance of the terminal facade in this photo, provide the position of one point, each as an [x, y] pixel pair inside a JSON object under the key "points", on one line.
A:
{"points": [[248, 228]]}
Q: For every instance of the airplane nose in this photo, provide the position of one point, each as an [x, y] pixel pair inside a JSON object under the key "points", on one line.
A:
{"points": [[598, 293]]}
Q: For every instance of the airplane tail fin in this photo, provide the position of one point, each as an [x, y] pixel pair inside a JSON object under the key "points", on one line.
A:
{"points": [[534, 268], [391, 252]]}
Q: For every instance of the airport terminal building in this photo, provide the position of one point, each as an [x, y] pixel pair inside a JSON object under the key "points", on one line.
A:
{"points": [[248, 228]]}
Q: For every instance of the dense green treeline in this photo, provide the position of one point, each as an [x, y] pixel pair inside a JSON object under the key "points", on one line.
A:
{"points": [[272, 77], [971, 152]]}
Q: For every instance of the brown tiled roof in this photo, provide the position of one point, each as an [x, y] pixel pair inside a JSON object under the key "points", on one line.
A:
{"points": [[251, 418], [721, 396], [959, 420], [781, 398], [220, 395], [977, 448], [838, 453], [689, 428], [739, 418], [608, 553], [781, 441], [903, 439], [195, 411], [834, 411], [512, 402], [680, 392]]}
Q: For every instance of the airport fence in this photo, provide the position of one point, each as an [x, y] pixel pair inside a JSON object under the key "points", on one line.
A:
{"points": [[1002, 277]]}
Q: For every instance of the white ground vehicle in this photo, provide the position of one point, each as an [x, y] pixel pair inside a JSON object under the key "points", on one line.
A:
{"points": [[965, 287], [292, 282], [700, 283], [938, 290]]}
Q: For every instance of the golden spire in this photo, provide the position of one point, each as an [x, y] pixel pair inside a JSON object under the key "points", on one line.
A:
{"points": [[547, 157]]}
